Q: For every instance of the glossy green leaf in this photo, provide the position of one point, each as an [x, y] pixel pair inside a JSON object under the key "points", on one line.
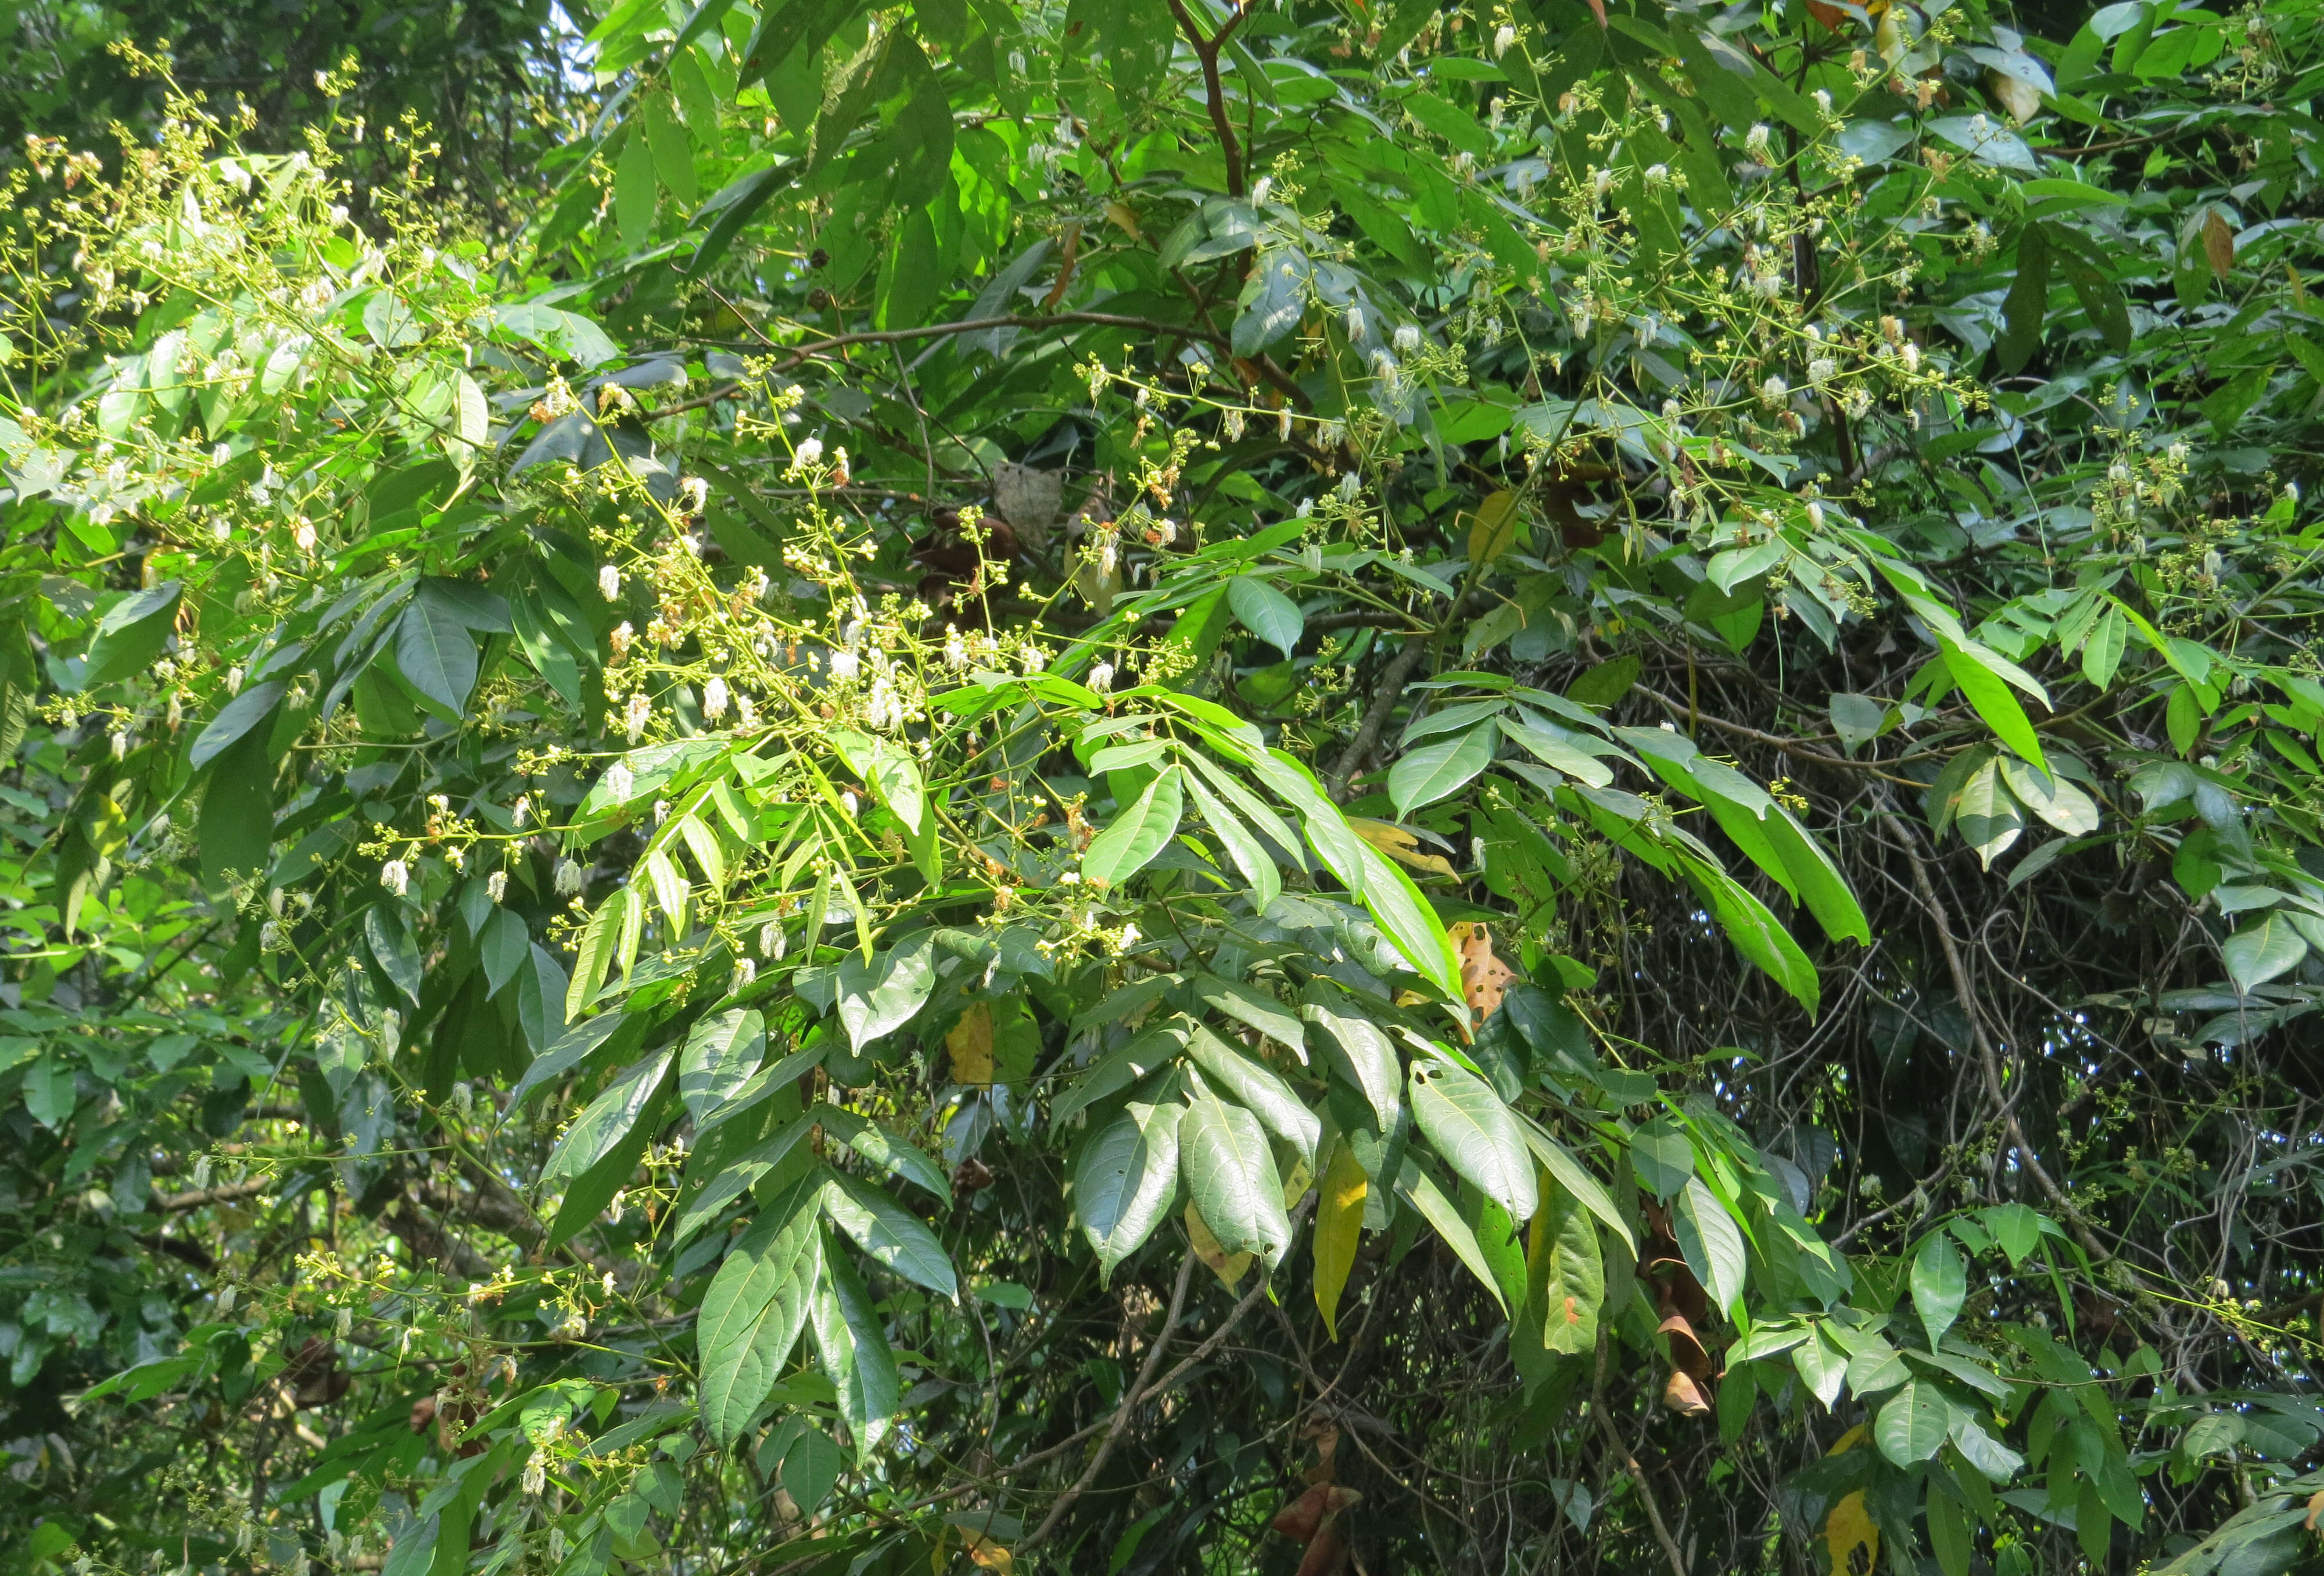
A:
{"points": [[608, 1118], [755, 1308], [1712, 1243], [889, 1235], [1137, 833], [1435, 770], [1265, 611], [1125, 1179], [1468, 1126], [1231, 1175]]}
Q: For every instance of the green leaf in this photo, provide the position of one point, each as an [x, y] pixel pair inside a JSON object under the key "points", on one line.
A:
{"points": [[1257, 1087], [592, 956], [1247, 1005], [1258, 867], [1138, 834], [1980, 675], [887, 770], [852, 1342], [739, 1175], [1231, 1176], [1571, 1174], [1361, 1053], [2016, 1226], [673, 151], [1988, 816], [2257, 953], [889, 1235], [1466, 1123], [1951, 1538], [2028, 301], [49, 1093], [1265, 611], [1662, 1156], [882, 997], [1566, 1280], [2053, 798], [435, 653], [2102, 653], [1409, 920], [720, 1055], [1435, 769], [237, 717], [1822, 1367], [131, 634], [891, 1153], [634, 190], [236, 829], [1713, 1247], [1914, 1423], [506, 946], [1443, 1217], [2102, 300], [390, 944], [608, 1118], [754, 1309], [570, 1049], [1820, 885], [1499, 1241], [1940, 1286], [1125, 1179], [1552, 751]]}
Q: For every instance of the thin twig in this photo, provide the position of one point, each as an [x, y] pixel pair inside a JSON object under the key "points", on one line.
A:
{"points": [[1130, 1399], [1645, 1493]]}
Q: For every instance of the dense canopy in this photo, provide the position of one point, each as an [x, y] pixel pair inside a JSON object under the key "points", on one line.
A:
{"points": [[1134, 788]]}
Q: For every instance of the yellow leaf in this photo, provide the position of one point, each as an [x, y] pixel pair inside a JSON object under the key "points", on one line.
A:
{"points": [[1339, 1227], [1399, 844], [1296, 1184], [988, 1554], [1495, 529], [1851, 1439], [1227, 1266], [1125, 219], [970, 1044], [1854, 1541], [1895, 34]]}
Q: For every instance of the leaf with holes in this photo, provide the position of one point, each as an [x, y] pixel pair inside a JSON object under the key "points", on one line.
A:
{"points": [[1466, 1123]]}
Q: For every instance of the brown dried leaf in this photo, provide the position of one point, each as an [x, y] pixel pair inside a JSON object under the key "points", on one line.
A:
{"points": [[1484, 978], [1682, 1396], [1329, 1553], [1687, 1353], [2218, 245]]}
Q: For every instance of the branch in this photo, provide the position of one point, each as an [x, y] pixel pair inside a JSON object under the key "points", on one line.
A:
{"points": [[1645, 1493], [1391, 685], [1206, 51], [1130, 1398], [226, 1193], [1988, 1059], [976, 325]]}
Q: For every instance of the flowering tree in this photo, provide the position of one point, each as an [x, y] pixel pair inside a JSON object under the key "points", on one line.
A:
{"points": [[1182, 788]]}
